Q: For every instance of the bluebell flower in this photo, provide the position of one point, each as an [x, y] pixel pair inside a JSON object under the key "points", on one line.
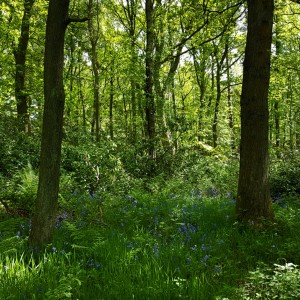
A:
{"points": [[155, 249], [205, 258], [91, 263], [194, 248], [130, 245]]}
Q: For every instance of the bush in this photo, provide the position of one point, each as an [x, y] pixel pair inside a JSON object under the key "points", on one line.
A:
{"points": [[284, 177], [19, 192], [280, 283], [17, 149]]}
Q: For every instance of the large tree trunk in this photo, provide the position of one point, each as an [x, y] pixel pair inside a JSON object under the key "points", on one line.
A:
{"points": [[20, 61], [253, 200], [46, 204]]}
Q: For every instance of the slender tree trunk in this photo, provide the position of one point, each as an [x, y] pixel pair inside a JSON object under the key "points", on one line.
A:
{"points": [[149, 81], [201, 81], [218, 98], [20, 74], [217, 105], [94, 36], [276, 104], [133, 136], [290, 117], [253, 200], [111, 105], [47, 195], [229, 102]]}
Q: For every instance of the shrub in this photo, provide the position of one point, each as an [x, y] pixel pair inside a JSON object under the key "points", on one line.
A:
{"points": [[280, 283], [19, 192], [284, 177]]}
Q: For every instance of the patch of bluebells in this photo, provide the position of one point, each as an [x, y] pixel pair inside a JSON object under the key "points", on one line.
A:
{"points": [[204, 260], [132, 246], [93, 264], [59, 220], [187, 230], [132, 201], [212, 192], [155, 249], [278, 199], [24, 230]]}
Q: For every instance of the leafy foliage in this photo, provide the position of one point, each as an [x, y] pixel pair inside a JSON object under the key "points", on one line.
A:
{"points": [[174, 242], [282, 282], [285, 176]]}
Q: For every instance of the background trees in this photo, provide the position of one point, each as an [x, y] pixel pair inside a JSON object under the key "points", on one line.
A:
{"points": [[153, 83]]}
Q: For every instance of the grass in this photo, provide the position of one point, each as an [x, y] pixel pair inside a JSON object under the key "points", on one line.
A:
{"points": [[163, 245]]}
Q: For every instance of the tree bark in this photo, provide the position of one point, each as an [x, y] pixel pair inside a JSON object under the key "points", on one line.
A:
{"points": [[218, 97], [229, 101], [20, 75], [111, 106], [149, 80], [94, 36], [47, 195], [253, 200]]}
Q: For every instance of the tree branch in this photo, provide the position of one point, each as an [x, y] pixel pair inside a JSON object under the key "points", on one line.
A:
{"points": [[76, 20]]}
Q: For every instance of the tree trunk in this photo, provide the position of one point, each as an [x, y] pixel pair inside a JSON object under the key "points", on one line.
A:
{"points": [[20, 61], [218, 98], [217, 105], [149, 81], [111, 106], [253, 200], [229, 102], [94, 36], [47, 195], [202, 82]]}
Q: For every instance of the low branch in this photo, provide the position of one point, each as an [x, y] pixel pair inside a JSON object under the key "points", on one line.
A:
{"points": [[76, 20]]}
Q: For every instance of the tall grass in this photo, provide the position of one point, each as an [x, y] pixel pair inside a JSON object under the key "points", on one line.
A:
{"points": [[164, 245]]}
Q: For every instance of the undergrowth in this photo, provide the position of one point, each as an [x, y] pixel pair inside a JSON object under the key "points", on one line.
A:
{"points": [[150, 246], [172, 236]]}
